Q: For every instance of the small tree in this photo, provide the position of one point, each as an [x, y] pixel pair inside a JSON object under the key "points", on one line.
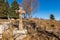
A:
{"points": [[1, 7], [52, 17], [6, 8], [4, 5], [30, 6], [15, 6]]}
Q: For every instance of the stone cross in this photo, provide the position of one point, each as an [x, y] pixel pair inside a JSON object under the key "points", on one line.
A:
{"points": [[20, 11]]}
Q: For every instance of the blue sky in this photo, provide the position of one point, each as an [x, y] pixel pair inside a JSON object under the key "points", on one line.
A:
{"points": [[46, 7]]}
